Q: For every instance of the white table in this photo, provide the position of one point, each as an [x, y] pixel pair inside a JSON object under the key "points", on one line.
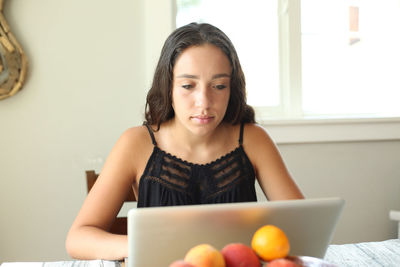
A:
{"points": [[371, 254], [368, 254]]}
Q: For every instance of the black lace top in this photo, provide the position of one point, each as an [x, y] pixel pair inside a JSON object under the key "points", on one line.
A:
{"points": [[169, 180]]}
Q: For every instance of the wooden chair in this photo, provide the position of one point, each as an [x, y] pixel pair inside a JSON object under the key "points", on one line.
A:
{"points": [[120, 224]]}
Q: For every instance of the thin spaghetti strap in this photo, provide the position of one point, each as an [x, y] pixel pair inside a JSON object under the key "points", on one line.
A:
{"points": [[241, 133], [153, 139]]}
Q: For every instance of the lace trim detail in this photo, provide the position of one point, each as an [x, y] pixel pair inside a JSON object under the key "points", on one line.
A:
{"points": [[227, 188], [166, 184], [196, 164], [201, 180]]}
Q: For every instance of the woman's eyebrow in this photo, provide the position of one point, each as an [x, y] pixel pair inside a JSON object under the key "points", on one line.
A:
{"points": [[221, 75], [190, 76], [216, 76]]}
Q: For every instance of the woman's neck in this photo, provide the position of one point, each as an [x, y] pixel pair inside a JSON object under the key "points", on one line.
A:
{"points": [[183, 135], [181, 142]]}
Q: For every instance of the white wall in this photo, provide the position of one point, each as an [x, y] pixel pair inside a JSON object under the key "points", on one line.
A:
{"points": [[365, 174], [90, 67], [85, 86]]}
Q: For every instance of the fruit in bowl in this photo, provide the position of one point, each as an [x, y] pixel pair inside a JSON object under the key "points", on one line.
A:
{"points": [[240, 255], [270, 242], [269, 248], [204, 255]]}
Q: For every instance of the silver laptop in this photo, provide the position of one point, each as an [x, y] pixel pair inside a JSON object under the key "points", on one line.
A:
{"points": [[158, 236]]}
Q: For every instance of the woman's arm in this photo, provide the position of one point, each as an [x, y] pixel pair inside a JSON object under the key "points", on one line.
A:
{"points": [[88, 237], [271, 172]]}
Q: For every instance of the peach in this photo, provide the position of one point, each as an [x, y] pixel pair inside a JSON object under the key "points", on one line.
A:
{"points": [[240, 255], [282, 263], [180, 263], [204, 255]]}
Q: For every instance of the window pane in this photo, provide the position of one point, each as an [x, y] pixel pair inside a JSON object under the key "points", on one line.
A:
{"points": [[351, 57], [255, 35]]}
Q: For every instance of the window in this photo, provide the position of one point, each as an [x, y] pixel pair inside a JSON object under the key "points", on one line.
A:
{"points": [[351, 57], [311, 58]]}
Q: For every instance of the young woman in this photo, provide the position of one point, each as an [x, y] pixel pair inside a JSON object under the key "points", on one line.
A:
{"points": [[199, 144]]}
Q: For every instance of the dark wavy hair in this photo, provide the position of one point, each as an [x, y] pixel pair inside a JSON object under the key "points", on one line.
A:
{"points": [[159, 98]]}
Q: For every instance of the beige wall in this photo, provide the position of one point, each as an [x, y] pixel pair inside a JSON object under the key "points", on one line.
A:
{"points": [[365, 174], [90, 67], [85, 86]]}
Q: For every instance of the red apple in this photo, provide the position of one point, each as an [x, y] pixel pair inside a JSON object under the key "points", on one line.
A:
{"points": [[240, 255]]}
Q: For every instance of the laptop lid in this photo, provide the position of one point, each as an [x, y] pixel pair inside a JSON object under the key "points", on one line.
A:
{"points": [[157, 236]]}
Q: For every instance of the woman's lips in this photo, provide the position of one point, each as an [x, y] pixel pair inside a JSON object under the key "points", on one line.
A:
{"points": [[202, 119]]}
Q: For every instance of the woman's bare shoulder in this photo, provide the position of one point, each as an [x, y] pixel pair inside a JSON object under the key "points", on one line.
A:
{"points": [[134, 143], [258, 144], [131, 150], [255, 133], [136, 136]]}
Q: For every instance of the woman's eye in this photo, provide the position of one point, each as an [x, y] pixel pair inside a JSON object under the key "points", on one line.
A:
{"points": [[220, 86], [187, 86]]}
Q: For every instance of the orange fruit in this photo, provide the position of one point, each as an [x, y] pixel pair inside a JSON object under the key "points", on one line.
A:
{"points": [[270, 242], [205, 255]]}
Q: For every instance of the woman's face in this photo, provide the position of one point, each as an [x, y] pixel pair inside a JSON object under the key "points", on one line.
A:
{"points": [[201, 88]]}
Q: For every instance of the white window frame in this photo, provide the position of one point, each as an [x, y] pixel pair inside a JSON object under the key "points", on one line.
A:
{"points": [[292, 127], [333, 130], [289, 65]]}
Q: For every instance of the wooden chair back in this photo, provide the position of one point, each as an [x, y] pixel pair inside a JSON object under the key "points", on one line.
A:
{"points": [[120, 224]]}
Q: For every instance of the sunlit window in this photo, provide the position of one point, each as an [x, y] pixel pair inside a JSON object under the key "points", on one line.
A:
{"points": [[351, 56]]}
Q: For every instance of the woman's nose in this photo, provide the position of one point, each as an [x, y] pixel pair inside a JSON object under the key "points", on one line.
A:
{"points": [[203, 98]]}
